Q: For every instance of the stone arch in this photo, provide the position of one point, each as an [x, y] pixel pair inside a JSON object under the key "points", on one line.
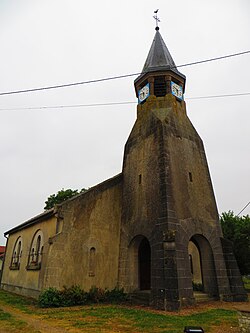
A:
{"points": [[203, 265], [139, 263]]}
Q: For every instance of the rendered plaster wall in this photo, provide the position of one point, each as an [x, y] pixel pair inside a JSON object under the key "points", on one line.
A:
{"points": [[23, 281], [86, 250]]}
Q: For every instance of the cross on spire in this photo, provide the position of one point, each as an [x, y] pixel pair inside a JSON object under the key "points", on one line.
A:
{"points": [[156, 19]]}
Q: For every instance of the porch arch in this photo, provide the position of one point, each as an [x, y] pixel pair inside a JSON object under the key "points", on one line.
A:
{"points": [[202, 265], [139, 263]]}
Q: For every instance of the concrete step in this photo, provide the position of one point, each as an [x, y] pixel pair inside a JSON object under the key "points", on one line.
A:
{"points": [[201, 297]]}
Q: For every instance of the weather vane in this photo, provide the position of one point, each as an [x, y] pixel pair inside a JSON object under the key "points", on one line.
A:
{"points": [[156, 19]]}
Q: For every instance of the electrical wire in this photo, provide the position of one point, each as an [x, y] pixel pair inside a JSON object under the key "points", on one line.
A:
{"points": [[109, 104], [214, 59], [116, 77], [220, 96], [68, 84], [243, 208], [66, 106]]}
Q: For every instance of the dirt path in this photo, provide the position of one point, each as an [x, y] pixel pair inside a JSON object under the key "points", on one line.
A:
{"points": [[35, 323]]}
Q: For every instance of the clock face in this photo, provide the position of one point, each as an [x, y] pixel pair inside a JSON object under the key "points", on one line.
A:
{"points": [[176, 90], [143, 93]]}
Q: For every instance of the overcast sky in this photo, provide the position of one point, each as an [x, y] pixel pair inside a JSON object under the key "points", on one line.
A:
{"points": [[46, 42]]}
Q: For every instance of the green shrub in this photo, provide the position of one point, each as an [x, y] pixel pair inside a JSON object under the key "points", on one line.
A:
{"points": [[116, 295], [96, 295], [246, 281], [73, 296], [50, 298]]}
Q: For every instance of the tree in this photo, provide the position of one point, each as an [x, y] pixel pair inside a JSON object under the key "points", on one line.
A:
{"points": [[237, 230], [61, 196]]}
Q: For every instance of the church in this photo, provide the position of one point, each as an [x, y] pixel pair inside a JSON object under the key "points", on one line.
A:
{"points": [[153, 229]]}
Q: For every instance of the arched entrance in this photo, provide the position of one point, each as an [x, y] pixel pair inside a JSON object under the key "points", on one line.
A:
{"points": [[139, 264], [144, 263], [202, 265], [195, 266]]}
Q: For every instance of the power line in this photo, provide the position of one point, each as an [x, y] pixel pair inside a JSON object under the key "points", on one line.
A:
{"points": [[214, 59], [109, 103], [116, 77], [243, 208], [219, 96], [68, 84], [67, 106]]}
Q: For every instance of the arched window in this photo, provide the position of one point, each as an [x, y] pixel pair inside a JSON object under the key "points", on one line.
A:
{"points": [[36, 250], [16, 254], [92, 262]]}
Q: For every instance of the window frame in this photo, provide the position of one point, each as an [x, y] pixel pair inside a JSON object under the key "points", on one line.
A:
{"points": [[16, 254], [36, 251]]}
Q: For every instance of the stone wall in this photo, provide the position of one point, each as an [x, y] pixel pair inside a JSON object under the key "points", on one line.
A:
{"points": [[244, 321]]}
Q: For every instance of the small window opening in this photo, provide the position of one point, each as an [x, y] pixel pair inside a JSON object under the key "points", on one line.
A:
{"points": [[191, 264], [160, 87], [190, 176], [139, 179], [92, 261]]}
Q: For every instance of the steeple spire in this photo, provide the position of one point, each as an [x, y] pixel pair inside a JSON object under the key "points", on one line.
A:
{"points": [[159, 57], [159, 71]]}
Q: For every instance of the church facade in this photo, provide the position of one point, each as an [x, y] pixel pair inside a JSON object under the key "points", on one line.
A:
{"points": [[153, 228]]}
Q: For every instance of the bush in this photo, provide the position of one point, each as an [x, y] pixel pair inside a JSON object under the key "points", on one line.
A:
{"points": [[96, 295], [74, 295], [246, 281], [116, 295], [50, 298]]}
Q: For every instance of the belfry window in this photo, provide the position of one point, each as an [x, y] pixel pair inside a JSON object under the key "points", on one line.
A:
{"points": [[36, 251], [160, 87], [16, 255]]}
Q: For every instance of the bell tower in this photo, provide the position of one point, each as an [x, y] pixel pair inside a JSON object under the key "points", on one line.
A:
{"points": [[171, 240]]}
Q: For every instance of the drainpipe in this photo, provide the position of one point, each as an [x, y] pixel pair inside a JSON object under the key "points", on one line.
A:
{"points": [[3, 261]]}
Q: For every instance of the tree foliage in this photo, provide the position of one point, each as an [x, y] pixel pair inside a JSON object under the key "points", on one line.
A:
{"points": [[237, 230], [62, 195]]}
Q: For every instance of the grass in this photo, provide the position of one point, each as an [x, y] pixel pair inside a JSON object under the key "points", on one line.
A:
{"points": [[19, 302], [146, 321], [101, 318], [8, 321], [110, 318]]}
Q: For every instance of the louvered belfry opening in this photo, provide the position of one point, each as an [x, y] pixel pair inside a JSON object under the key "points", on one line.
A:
{"points": [[160, 87]]}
